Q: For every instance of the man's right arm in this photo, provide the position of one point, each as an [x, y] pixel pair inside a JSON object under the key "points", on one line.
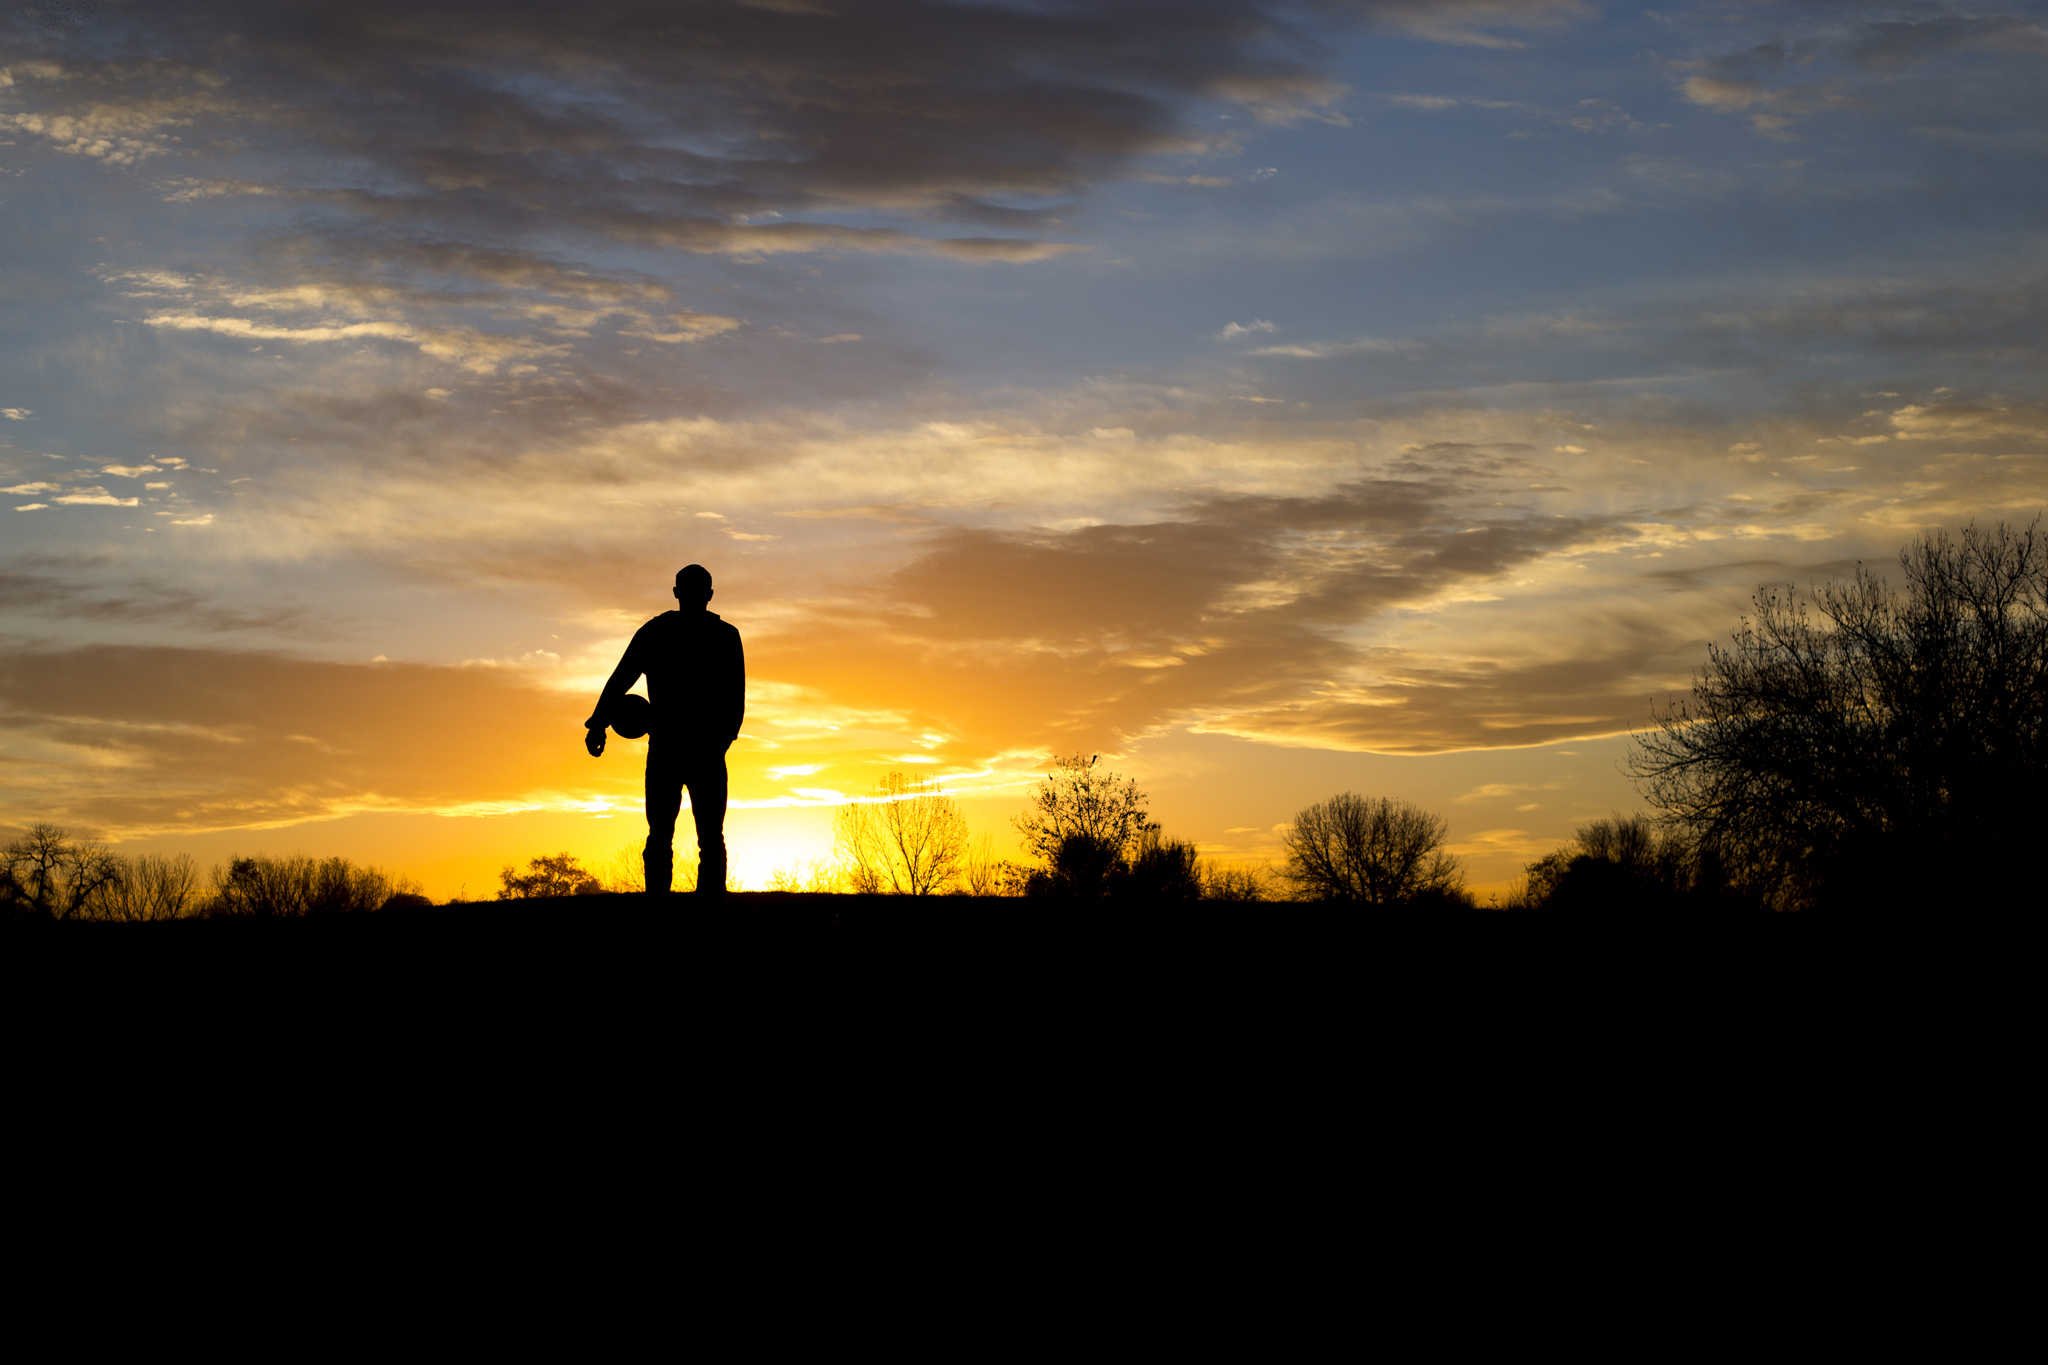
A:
{"points": [[624, 676]]}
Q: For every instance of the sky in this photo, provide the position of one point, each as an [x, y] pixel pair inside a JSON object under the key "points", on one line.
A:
{"points": [[1274, 399]]}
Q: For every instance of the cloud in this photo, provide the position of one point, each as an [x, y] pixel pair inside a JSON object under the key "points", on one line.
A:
{"points": [[623, 123], [94, 497], [687, 327], [1910, 41], [1711, 93], [1846, 61], [189, 189], [1234, 330], [1584, 116], [710, 236], [1324, 350], [1957, 422], [120, 132], [79, 590], [1775, 108], [127, 740], [1242, 615], [475, 351], [1473, 23], [16, 414]]}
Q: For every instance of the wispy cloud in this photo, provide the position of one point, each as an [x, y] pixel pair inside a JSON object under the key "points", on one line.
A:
{"points": [[1478, 23]]}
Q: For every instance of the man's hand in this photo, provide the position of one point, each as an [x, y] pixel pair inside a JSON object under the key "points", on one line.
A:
{"points": [[593, 740]]}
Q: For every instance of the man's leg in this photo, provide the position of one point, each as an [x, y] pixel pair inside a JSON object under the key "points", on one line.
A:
{"points": [[707, 780], [664, 801]]}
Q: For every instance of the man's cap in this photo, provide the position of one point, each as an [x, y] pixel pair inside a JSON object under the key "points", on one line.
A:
{"points": [[694, 576]]}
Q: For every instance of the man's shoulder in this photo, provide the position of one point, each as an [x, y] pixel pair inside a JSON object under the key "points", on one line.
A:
{"points": [[655, 626], [678, 623]]}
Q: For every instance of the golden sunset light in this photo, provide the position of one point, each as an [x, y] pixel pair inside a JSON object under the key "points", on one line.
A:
{"points": [[1275, 399]]}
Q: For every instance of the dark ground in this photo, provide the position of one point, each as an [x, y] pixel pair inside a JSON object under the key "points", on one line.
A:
{"points": [[622, 951], [805, 1027]]}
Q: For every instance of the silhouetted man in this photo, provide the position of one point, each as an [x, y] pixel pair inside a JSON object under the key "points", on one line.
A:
{"points": [[697, 681]]}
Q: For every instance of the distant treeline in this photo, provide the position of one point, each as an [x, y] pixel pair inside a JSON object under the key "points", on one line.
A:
{"points": [[49, 875]]}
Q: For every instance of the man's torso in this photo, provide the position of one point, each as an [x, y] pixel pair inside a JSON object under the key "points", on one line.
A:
{"points": [[696, 674]]}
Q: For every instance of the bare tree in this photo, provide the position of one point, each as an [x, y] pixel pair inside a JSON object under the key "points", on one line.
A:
{"points": [[95, 880], [162, 886], [905, 839], [264, 886], [33, 870], [1081, 823], [1875, 746], [858, 843], [49, 875], [1380, 851]]}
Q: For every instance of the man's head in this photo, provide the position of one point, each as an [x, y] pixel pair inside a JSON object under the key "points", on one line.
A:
{"points": [[693, 587]]}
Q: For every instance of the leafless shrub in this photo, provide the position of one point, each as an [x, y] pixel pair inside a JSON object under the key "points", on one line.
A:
{"points": [[546, 876], [1159, 869], [270, 886], [1237, 881], [984, 874], [340, 886], [1625, 860], [625, 872], [815, 877]]}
